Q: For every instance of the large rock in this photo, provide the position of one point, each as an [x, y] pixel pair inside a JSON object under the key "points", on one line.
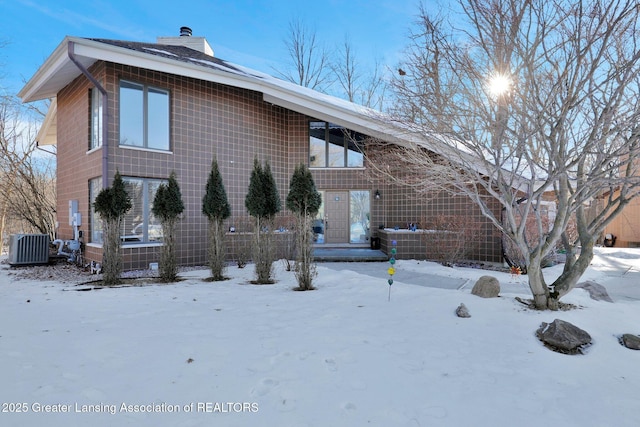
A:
{"points": [[563, 337], [462, 311], [486, 287], [631, 341], [596, 290]]}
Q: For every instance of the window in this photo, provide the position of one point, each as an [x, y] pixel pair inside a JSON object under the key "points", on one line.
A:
{"points": [[139, 224], [318, 222], [96, 119], [359, 214], [95, 224], [333, 146], [144, 116]]}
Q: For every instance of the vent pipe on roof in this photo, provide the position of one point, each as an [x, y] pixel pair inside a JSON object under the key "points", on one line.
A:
{"points": [[186, 39]]}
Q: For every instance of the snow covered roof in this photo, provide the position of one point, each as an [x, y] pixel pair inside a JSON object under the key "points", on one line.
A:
{"points": [[59, 70]]}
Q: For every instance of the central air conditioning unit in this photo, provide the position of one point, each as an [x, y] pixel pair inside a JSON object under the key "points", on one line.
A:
{"points": [[28, 249]]}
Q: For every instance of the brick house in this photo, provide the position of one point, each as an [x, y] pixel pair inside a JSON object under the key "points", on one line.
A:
{"points": [[146, 109]]}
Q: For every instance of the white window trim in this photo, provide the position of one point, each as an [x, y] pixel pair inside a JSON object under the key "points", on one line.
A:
{"points": [[129, 245], [148, 150]]}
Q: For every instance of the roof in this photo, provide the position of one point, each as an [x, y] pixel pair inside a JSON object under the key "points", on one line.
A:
{"points": [[59, 70]]}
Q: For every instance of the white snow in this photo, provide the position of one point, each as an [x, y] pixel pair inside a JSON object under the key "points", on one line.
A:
{"points": [[162, 51], [237, 354]]}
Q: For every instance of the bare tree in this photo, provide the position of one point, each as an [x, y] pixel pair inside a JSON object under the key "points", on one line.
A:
{"points": [[358, 85], [309, 59], [27, 187], [530, 104]]}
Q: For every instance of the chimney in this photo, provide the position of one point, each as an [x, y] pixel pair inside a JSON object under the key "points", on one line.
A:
{"points": [[186, 39]]}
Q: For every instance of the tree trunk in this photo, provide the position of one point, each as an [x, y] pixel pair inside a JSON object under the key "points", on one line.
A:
{"points": [[3, 217], [304, 263], [548, 297], [538, 286], [263, 250], [573, 270], [168, 262], [216, 249], [111, 252]]}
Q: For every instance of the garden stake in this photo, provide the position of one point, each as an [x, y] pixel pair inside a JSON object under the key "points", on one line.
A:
{"points": [[392, 269]]}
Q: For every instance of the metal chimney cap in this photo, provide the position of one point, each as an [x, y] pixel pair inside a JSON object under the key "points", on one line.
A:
{"points": [[185, 32]]}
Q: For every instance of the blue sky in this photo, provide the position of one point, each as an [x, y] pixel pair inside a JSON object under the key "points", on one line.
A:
{"points": [[250, 33]]}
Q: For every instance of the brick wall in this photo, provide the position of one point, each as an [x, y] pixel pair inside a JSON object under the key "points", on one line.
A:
{"points": [[208, 120]]}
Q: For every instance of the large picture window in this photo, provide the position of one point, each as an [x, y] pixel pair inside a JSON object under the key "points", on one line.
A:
{"points": [[139, 224], [144, 116], [332, 146]]}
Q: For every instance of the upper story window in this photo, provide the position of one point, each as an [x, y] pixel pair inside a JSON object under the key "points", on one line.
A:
{"points": [[96, 119], [332, 146], [144, 116]]}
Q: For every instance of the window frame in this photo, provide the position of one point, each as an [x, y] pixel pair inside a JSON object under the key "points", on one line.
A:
{"points": [[331, 150], [95, 225], [147, 202], [147, 122], [96, 120]]}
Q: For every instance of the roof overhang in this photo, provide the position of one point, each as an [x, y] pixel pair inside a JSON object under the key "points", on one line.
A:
{"points": [[59, 70], [47, 135]]}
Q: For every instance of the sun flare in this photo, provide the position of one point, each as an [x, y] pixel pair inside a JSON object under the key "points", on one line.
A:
{"points": [[499, 85]]}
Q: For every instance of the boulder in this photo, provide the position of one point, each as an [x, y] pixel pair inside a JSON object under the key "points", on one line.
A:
{"points": [[596, 290], [462, 311], [486, 287], [631, 341], [563, 337]]}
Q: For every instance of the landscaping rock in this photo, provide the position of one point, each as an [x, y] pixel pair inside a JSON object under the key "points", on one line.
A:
{"points": [[462, 311], [596, 291], [486, 287], [631, 341], [563, 337]]}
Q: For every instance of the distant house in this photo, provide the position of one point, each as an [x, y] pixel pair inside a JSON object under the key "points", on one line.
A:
{"points": [[624, 230], [146, 109]]}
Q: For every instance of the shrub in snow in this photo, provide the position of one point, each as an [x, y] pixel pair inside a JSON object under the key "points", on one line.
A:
{"points": [[167, 207], [263, 203], [216, 207], [304, 201], [111, 204]]}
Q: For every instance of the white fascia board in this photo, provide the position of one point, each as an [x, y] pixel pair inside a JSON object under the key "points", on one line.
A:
{"points": [[316, 110], [56, 61]]}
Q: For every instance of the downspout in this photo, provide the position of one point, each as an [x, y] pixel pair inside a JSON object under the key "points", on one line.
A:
{"points": [[105, 115]]}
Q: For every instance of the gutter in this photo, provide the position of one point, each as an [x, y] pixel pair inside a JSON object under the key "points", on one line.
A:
{"points": [[105, 115]]}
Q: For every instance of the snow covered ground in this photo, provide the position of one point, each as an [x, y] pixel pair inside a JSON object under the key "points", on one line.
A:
{"points": [[234, 354]]}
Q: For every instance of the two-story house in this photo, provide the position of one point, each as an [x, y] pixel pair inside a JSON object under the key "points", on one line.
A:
{"points": [[146, 109]]}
